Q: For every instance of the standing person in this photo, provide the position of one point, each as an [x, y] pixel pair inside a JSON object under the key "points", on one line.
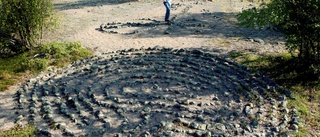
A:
{"points": [[167, 4]]}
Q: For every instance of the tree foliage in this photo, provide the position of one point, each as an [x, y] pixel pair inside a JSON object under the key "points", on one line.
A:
{"points": [[22, 22], [299, 19]]}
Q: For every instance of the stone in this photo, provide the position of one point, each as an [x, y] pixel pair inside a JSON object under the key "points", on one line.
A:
{"points": [[285, 110], [34, 97], [294, 127], [62, 126], [219, 119], [254, 123], [186, 123], [273, 101], [200, 118], [19, 118], [221, 127], [294, 112], [153, 129], [275, 129], [46, 93], [199, 133], [99, 114], [194, 125], [295, 120], [185, 102], [247, 110], [107, 92], [283, 104], [68, 132], [147, 109], [33, 110], [273, 121], [168, 133], [202, 127], [259, 41], [248, 128], [86, 121], [207, 134]]}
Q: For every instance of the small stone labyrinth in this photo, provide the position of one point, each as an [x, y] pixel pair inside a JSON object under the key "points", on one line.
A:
{"points": [[154, 92]]}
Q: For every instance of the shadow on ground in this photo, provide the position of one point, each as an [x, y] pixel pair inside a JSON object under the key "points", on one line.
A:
{"points": [[78, 4]]}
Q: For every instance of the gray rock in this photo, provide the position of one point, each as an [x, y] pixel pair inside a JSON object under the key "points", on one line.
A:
{"points": [[62, 126], [33, 110], [285, 110], [194, 125], [295, 120], [185, 102], [221, 127], [219, 119], [200, 118], [207, 134], [294, 127], [273, 121], [19, 118], [202, 127], [273, 101], [283, 104], [254, 123], [107, 93], [247, 110], [294, 112], [259, 41], [276, 129], [69, 133], [99, 114], [199, 133], [147, 110], [248, 128], [168, 133], [154, 129]]}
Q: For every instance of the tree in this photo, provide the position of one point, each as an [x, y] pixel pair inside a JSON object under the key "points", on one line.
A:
{"points": [[299, 19], [22, 22]]}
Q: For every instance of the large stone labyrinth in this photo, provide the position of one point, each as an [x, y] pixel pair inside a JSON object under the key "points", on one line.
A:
{"points": [[154, 92]]}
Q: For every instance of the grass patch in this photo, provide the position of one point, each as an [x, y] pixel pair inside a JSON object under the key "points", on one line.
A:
{"points": [[13, 69], [27, 131], [291, 73]]}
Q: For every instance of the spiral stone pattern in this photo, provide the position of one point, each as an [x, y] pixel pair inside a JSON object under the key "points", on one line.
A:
{"points": [[154, 92]]}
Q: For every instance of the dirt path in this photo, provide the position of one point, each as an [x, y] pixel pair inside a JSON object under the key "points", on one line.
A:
{"points": [[209, 26]]}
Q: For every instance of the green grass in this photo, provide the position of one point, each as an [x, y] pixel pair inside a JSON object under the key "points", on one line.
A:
{"points": [[14, 69], [27, 131], [291, 73]]}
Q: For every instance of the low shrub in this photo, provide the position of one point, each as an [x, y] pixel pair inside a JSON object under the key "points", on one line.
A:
{"points": [[35, 61]]}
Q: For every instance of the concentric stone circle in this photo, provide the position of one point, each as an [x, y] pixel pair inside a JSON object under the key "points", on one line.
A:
{"points": [[154, 92]]}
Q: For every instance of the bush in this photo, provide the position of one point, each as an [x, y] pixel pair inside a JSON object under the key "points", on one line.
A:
{"points": [[35, 65], [22, 22], [299, 19], [62, 53]]}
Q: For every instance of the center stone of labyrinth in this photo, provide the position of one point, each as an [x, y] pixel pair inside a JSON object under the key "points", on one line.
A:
{"points": [[153, 92]]}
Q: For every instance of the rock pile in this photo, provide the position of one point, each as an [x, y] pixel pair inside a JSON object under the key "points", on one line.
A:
{"points": [[155, 92]]}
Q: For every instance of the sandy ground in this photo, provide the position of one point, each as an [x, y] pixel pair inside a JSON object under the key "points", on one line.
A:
{"points": [[80, 21]]}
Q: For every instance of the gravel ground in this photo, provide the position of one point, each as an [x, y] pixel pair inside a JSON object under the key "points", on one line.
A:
{"points": [[182, 86]]}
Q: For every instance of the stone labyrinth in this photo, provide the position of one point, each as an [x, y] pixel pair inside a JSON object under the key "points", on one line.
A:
{"points": [[146, 24], [154, 92]]}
